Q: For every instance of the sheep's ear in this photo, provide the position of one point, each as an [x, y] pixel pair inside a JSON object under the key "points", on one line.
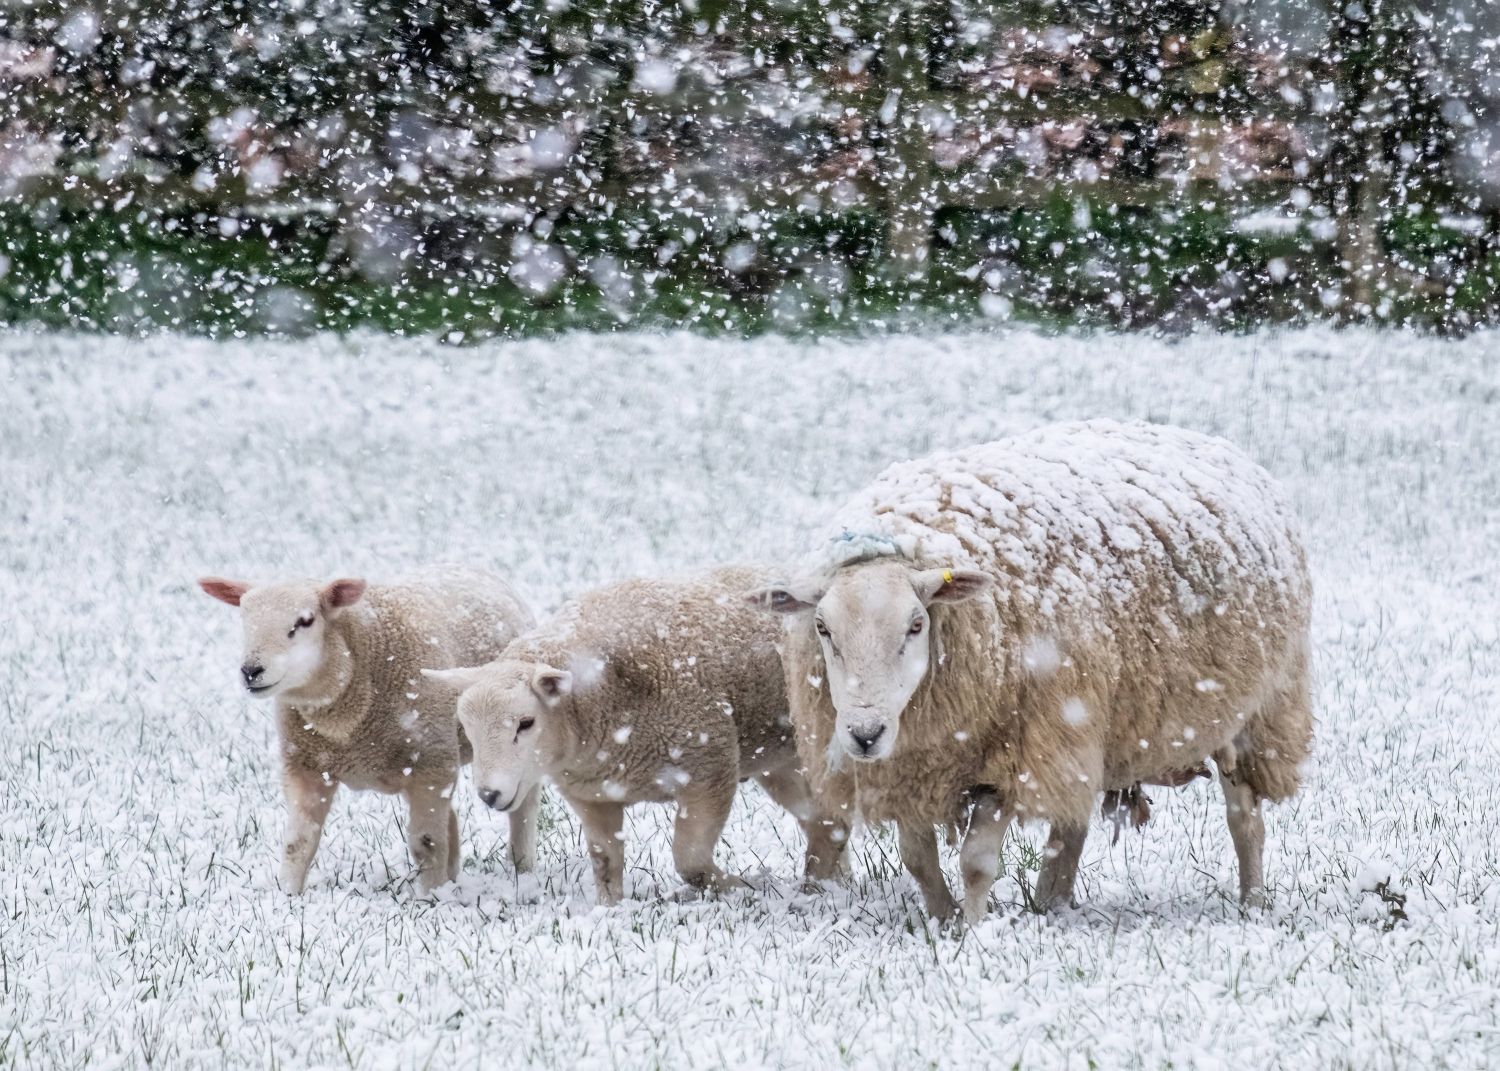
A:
{"points": [[228, 591], [950, 585], [338, 594], [458, 679], [784, 598], [551, 685]]}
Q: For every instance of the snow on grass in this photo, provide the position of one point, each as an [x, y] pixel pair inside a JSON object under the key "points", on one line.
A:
{"points": [[139, 918]]}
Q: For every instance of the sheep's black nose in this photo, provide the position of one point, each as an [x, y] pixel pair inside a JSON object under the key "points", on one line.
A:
{"points": [[865, 739], [251, 671], [488, 797]]}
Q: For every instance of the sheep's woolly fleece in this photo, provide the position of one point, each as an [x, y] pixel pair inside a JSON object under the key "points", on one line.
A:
{"points": [[139, 916], [1112, 487], [1150, 574]]}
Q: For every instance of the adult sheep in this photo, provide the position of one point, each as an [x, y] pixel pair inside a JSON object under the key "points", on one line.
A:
{"points": [[1005, 632]]}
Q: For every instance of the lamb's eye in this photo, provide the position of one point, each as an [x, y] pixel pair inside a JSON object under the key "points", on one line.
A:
{"points": [[524, 724], [916, 627], [822, 628], [305, 621]]}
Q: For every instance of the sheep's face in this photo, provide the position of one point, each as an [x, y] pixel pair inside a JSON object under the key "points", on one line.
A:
{"points": [[286, 628], [873, 623], [509, 711]]}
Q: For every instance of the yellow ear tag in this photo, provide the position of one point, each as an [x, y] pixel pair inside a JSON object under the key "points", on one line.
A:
{"points": [[947, 576]]}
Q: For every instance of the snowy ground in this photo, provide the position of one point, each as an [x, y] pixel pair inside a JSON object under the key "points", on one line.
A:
{"points": [[139, 920]]}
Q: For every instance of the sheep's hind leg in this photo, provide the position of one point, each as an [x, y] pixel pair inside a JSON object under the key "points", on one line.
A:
{"points": [[309, 797], [825, 835], [700, 821], [1054, 886], [523, 831], [919, 852], [602, 825], [430, 824], [1246, 828], [980, 854]]}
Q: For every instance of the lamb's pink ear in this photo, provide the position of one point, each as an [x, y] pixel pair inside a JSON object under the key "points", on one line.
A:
{"points": [[551, 685], [459, 679], [228, 591], [950, 585], [338, 594], [784, 598]]}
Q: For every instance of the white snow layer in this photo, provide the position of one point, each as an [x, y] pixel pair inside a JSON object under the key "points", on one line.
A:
{"points": [[1111, 488], [139, 918]]}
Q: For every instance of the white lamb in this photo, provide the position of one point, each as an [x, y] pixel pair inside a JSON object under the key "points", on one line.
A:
{"points": [[1007, 631], [646, 691], [343, 661]]}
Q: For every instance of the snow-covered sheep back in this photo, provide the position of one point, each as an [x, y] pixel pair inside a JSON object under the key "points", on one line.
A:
{"points": [[1146, 606]]}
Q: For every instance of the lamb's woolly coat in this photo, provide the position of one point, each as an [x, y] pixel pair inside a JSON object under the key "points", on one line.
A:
{"points": [[677, 683], [389, 725], [1150, 609]]}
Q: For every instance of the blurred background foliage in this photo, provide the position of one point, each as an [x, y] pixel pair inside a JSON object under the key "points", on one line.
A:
{"points": [[509, 166]]}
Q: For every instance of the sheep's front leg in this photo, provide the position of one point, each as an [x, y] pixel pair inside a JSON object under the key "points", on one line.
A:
{"points": [[919, 852], [700, 821], [1054, 886], [826, 834], [431, 831], [980, 855], [602, 825], [523, 831], [309, 796]]}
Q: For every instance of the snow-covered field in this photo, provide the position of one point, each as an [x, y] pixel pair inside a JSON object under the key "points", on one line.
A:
{"points": [[139, 918]]}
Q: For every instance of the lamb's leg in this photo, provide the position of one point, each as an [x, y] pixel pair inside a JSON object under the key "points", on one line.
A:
{"points": [[1054, 886], [980, 854], [1248, 831], [602, 823], [429, 822], [700, 821], [455, 846], [825, 835], [523, 831], [308, 800], [919, 852]]}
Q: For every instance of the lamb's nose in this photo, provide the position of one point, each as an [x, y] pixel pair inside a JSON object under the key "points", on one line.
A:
{"points": [[251, 671], [488, 796], [865, 738]]}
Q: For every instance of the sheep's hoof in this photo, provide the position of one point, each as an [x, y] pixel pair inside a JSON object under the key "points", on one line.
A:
{"points": [[976, 910], [943, 910], [1254, 900], [699, 887], [1050, 905]]}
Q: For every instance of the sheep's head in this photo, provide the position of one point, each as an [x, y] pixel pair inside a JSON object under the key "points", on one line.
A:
{"points": [[510, 711], [873, 622], [286, 628]]}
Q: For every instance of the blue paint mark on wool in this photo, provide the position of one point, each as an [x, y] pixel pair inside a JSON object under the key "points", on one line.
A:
{"points": [[848, 547]]}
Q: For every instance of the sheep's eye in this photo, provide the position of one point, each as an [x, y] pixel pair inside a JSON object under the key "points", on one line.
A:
{"points": [[305, 621], [822, 628], [524, 724], [916, 627]]}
